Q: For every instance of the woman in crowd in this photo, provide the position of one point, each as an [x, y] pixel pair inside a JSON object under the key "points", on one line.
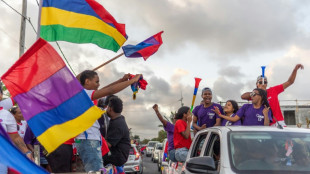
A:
{"points": [[204, 115], [255, 114], [182, 137], [230, 109], [21, 123]]}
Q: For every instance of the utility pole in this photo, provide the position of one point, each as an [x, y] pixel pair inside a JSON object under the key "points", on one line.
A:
{"points": [[181, 100], [23, 29]]}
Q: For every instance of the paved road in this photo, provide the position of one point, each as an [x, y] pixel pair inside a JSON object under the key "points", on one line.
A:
{"points": [[148, 166]]}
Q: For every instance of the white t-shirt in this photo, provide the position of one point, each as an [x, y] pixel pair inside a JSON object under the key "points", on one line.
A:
{"points": [[22, 128], [93, 133], [7, 103], [7, 121]]}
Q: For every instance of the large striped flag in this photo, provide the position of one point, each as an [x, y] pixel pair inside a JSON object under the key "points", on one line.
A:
{"points": [[81, 21], [12, 157], [51, 99]]}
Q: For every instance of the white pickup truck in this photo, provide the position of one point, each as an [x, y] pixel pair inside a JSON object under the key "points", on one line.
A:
{"points": [[241, 149]]}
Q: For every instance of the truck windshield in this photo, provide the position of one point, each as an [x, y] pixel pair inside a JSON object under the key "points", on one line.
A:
{"points": [[276, 152], [152, 144]]}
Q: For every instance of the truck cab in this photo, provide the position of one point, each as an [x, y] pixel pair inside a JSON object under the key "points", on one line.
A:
{"points": [[242, 149]]}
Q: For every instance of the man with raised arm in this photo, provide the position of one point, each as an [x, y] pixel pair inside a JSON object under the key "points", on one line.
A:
{"points": [[272, 94]]}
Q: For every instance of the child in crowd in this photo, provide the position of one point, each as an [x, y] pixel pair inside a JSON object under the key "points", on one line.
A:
{"points": [[182, 137]]}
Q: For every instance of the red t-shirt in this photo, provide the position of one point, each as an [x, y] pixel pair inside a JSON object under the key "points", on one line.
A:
{"points": [[272, 95], [178, 140]]}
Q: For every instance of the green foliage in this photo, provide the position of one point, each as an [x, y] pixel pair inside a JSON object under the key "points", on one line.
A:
{"points": [[145, 141], [161, 135]]}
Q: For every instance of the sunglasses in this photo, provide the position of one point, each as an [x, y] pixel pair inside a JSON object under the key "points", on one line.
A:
{"points": [[253, 94], [261, 82]]}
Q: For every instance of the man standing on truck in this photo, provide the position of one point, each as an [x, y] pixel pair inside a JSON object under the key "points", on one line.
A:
{"points": [[272, 94]]}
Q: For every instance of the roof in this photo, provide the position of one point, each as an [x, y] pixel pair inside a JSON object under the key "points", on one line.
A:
{"points": [[257, 128]]}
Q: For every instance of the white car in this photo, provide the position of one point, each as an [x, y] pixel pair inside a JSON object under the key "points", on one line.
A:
{"points": [[248, 149], [150, 148], [155, 155], [163, 157], [134, 163]]}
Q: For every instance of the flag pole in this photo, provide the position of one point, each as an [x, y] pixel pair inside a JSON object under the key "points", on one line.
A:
{"points": [[39, 19], [108, 61]]}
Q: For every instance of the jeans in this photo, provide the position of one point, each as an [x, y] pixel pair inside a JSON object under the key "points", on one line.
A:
{"points": [[171, 155], [90, 153], [181, 154]]}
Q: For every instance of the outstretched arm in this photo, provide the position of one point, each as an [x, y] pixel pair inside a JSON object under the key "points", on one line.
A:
{"points": [[291, 79], [160, 117], [246, 96], [112, 89], [228, 118]]}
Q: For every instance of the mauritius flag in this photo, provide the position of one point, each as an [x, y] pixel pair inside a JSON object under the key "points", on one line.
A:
{"points": [[144, 49], [51, 99], [81, 21]]}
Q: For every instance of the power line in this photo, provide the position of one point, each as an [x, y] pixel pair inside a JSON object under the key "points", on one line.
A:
{"points": [[65, 58], [28, 19]]}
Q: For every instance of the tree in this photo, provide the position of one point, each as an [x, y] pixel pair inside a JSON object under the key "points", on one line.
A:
{"points": [[145, 141], [161, 135]]}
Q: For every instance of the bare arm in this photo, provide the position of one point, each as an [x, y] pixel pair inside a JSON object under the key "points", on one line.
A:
{"points": [[160, 117], [123, 79], [232, 119], [195, 124], [218, 122], [246, 96], [187, 132], [105, 91], [19, 143], [292, 78]]}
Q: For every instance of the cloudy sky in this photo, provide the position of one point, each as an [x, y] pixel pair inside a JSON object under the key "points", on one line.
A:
{"points": [[223, 42]]}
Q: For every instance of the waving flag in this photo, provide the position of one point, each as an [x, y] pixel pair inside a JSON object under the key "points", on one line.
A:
{"points": [[81, 21], [144, 49], [51, 99], [12, 157]]}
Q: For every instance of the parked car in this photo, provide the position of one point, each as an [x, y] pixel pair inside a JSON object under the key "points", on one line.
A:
{"points": [[155, 155], [252, 149], [150, 147], [134, 163], [162, 160]]}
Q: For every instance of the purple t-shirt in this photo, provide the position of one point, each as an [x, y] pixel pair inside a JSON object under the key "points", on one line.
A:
{"points": [[206, 115], [252, 116], [237, 123], [169, 128]]}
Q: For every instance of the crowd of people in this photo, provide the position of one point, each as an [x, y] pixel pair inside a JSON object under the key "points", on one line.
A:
{"points": [[264, 110], [110, 129]]}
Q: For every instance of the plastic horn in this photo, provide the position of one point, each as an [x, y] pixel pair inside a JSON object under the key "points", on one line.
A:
{"points": [[263, 74], [197, 81]]}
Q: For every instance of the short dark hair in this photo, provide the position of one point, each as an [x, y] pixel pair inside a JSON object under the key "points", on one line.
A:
{"points": [[181, 111], [116, 104], [87, 74], [13, 110], [234, 105]]}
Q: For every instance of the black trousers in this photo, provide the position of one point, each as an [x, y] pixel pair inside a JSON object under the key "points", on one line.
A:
{"points": [[61, 159]]}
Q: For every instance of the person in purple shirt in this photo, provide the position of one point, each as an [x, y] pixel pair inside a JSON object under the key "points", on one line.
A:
{"points": [[256, 114], [30, 140], [230, 109], [204, 115], [169, 128]]}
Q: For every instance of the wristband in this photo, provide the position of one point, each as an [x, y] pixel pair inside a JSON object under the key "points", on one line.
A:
{"points": [[28, 152]]}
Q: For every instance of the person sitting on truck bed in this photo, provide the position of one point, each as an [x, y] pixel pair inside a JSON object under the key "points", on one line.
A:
{"points": [[182, 137]]}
